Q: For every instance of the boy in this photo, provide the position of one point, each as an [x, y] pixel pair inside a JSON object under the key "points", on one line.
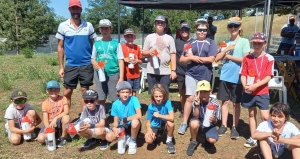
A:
{"points": [[14, 114], [109, 52], [201, 100], [95, 129], [164, 45], [132, 74], [127, 113], [256, 92], [55, 113]]}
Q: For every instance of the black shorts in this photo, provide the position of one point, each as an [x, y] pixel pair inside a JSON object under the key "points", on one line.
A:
{"points": [[181, 81], [83, 74], [158, 131], [128, 128], [153, 79], [230, 91]]}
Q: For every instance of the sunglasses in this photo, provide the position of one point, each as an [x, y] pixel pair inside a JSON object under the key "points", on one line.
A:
{"points": [[129, 36], [89, 101], [186, 30], [233, 26], [19, 101], [200, 30], [160, 23]]}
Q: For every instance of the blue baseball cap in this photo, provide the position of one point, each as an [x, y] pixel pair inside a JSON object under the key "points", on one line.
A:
{"points": [[52, 84]]}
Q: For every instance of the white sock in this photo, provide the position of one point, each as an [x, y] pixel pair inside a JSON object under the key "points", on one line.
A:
{"points": [[169, 138]]}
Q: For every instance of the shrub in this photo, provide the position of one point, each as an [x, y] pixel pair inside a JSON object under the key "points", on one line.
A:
{"points": [[1, 52], [52, 61], [27, 52]]}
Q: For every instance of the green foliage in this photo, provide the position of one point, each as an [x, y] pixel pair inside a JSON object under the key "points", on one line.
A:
{"points": [[1, 52], [27, 52], [52, 61], [6, 83]]}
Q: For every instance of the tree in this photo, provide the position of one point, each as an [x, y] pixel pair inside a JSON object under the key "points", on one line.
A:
{"points": [[25, 23]]}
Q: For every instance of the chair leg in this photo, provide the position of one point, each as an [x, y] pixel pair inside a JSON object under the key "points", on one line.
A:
{"points": [[213, 82], [280, 96], [284, 91]]}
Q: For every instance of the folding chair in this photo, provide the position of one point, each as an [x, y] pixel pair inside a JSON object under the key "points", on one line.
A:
{"points": [[143, 76], [277, 83], [215, 74]]}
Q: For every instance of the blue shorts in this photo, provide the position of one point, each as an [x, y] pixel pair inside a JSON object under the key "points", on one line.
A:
{"points": [[250, 101], [282, 148], [58, 124], [210, 132], [135, 83]]}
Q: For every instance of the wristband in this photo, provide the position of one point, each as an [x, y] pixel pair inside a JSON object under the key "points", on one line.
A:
{"points": [[92, 126], [125, 120], [174, 70]]}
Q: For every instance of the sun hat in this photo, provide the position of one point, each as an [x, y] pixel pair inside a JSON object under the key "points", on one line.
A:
{"points": [[18, 93], [90, 94], [73, 3], [160, 18], [129, 31], [259, 37], [203, 85], [123, 85], [185, 25], [105, 23], [234, 20], [52, 84]]}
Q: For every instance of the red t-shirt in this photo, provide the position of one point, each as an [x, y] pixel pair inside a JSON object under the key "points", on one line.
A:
{"points": [[262, 66], [135, 49]]}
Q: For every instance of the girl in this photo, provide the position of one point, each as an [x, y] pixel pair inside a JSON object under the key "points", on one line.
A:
{"points": [[95, 129], [230, 87], [277, 134], [160, 117]]}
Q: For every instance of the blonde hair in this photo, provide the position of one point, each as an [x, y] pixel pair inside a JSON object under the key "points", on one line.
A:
{"points": [[159, 88]]}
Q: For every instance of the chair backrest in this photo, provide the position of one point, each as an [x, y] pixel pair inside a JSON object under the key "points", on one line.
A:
{"points": [[144, 69], [276, 82]]}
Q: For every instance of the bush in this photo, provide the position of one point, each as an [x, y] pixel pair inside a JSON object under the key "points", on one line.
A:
{"points": [[1, 52], [52, 61], [27, 52]]}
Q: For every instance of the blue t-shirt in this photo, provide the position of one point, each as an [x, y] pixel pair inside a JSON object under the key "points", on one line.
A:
{"points": [[287, 28], [163, 109], [127, 109], [230, 69], [203, 48]]}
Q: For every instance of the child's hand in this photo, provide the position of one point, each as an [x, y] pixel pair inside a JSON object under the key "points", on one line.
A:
{"points": [[156, 114], [53, 123], [197, 98], [150, 134], [84, 127], [230, 47], [212, 118], [30, 129], [250, 87]]}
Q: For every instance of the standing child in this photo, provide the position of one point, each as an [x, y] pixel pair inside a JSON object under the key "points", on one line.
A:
{"points": [[95, 129], [55, 113], [160, 117], [132, 56], [278, 134], [256, 71], [202, 100], [127, 113], [14, 115], [108, 52]]}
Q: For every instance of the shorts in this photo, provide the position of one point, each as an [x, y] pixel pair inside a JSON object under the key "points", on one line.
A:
{"points": [[210, 132], [83, 74], [190, 85], [58, 123], [135, 83], [128, 128], [181, 81], [230, 91], [282, 148], [285, 47], [94, 134], [159, 131], [153, 79], [262, 101], [107, 87], [9, 133]]}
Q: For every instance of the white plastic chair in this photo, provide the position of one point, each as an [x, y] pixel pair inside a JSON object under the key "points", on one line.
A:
{"points": [[277, 83], [143, 77], [214, 74]]}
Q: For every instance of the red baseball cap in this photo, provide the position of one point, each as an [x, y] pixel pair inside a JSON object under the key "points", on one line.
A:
{"points": [[73, 3]]}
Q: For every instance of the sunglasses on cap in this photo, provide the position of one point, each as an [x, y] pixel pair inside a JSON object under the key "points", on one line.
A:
{"points": [[19, 101], [89, 101], [233, 26], [200, 30]]}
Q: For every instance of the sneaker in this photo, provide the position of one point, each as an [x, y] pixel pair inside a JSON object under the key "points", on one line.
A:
{"points": [[182, 129], [209, 147], [62, 142], [222, 130], [234, 133], [33, 136], [103, 145], [127, 139], [131, 148], [170, 147], [190, 150], [250, 143], [88, 143]]}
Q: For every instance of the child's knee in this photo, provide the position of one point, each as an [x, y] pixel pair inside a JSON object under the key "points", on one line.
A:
{"points": [[194, 124], [170, 124], [211, 140], [31, 114], [135, 124], [110, 137], [65, 119], [15, 139], [41, 138]]}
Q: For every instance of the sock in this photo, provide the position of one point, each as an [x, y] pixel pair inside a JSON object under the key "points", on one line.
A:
{"points": [[132, 140], [169, 139]]}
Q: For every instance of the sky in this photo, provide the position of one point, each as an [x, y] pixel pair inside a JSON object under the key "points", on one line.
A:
{"points": [[61, 7]]}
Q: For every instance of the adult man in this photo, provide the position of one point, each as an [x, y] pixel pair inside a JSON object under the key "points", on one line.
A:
{"points": [[161, 45], [76, 38], [181, 68], [288, 32], [211, 28]]}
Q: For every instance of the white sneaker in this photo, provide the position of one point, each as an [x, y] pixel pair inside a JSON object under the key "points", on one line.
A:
{"points": [[127, 140], [132, 148], [250, 143]]}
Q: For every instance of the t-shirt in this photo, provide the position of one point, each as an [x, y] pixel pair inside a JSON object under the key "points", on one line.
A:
{"points": [[165, 46], [12, 113], [288, 28], [136, 50], [203, 48], [288, 131], [109, 52], [94, 115], [54, 108], [209, 35], [230, 69], [203, 106], [261, 67], [77, 46], [180, 68], [163, 109], [126, 109]]}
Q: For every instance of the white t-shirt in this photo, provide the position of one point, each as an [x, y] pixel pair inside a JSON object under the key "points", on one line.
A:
{"points": [[12, 113], [288, 131]]}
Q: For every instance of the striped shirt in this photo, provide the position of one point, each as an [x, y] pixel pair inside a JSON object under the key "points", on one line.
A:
{"points": [[203, 106]]}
